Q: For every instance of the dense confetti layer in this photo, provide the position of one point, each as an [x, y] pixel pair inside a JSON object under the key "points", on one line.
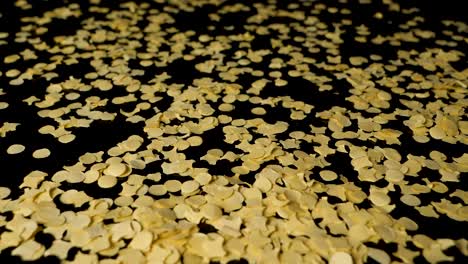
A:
{"points": [[222, 131]]}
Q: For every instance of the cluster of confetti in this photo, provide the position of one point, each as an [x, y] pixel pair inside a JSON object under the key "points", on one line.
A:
{"points": [[228, 131]]}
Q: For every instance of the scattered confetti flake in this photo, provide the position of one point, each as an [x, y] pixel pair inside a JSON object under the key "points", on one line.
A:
{"points": [[341, 258], [107, 181], [4, 192], [66, 138], [7, 127], [29, 250], [41, 153], [328, 175], [142, 241], [15, 149], [3, 105]]}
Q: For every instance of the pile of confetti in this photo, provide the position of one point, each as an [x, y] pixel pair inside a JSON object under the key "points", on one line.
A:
{"points": [[232, 132]]}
